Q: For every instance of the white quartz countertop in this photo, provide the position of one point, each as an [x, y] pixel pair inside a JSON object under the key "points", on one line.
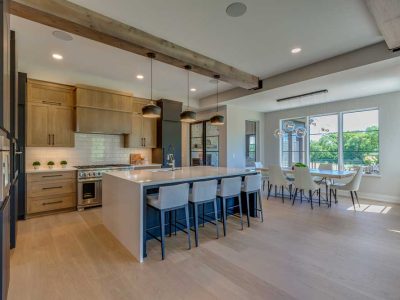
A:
{"points": [[147, 166], [164, 176], [45, 169]]}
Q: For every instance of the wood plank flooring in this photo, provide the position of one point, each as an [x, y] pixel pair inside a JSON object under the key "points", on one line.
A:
{"points": [[295, 254]]}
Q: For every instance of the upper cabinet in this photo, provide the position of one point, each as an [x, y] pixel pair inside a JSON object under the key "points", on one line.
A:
{"points": [[50, 114], [144, 130], [101, 110]]}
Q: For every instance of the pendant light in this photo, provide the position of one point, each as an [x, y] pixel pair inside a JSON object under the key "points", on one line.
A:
{"points": [[217, 119], [151, 110], [188, 115]]}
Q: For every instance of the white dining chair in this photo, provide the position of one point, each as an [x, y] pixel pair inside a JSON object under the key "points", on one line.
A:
{"points": [[170, 198], [230, 188], [203, 192], [264, 174], [303, 181], [252, 185], [352, 186], [278, 179]]}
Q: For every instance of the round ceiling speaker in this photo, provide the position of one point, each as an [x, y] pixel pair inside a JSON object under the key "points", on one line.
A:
{"points": [[62, 35], [236, 9]]}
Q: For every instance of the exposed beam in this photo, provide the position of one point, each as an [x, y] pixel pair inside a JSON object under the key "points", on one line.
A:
{"points": [[387, 17], [81, 21], [357, 58]]}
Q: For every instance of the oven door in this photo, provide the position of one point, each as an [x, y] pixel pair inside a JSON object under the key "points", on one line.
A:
{"points": [[89, 192]]}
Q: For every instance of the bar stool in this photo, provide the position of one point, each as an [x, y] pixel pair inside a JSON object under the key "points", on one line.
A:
{"points": [[170, 198], [252, 185], [230, 188], [203, 192]]}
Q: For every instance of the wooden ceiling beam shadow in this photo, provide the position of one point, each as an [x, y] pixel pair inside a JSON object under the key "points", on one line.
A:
{"points": [[73, 18]]}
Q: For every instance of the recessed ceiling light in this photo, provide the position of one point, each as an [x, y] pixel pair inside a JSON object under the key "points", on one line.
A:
{"points": [[193, 89], [296, 50], [57, 56], [236, 9], [62, 35], [139, 76]]}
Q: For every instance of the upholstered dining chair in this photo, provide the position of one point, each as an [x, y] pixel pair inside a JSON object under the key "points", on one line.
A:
{"points": [[264, 174], [303, 181], [352, 186], [278, 180]]}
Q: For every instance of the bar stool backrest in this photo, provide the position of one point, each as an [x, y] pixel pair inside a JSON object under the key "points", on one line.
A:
{"points": [[173, 195], [204, 190], [231, 186], [252, 183]]}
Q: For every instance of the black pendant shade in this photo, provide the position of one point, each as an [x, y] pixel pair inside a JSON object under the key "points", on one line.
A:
{"points": [[217, 120], [151, 110], [188, 116]]}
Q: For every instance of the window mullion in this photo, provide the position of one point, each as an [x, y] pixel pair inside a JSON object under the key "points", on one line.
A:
{"points": [[340, 148]]}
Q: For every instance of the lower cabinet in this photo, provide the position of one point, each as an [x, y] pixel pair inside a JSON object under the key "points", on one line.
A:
{"points": [[49, 192]]}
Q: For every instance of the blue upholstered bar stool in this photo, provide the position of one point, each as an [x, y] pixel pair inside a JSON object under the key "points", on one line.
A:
{"points": [[170, 198], [230, 188], [203, 192], [252, 185]]}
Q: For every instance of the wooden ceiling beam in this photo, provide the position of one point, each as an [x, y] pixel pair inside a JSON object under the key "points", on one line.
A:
{"points": [[81, 21]]}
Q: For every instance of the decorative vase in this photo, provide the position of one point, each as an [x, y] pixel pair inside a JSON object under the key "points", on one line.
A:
{"points": [[36, 167], [51, 166], [63, 166]]}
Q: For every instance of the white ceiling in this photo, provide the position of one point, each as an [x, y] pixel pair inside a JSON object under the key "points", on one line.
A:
{"points": [[377, 78], [258, 42]]}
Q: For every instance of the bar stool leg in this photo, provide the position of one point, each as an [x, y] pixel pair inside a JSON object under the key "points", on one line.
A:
{"points": [[269, 190], [248, 209], [188, 224], [224, 214], [162, 226], [196, 223], [204, 208], [170, 223], [240, 210], [261, 208], [216, 217]]}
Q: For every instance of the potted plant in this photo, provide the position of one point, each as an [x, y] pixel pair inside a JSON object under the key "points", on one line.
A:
{"points": [[36, 165], [299, 165], [63, 163], [50, 164]]}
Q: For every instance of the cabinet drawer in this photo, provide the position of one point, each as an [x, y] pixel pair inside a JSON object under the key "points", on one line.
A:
{"points": [[43, 204], [50, 93], [49, 188], [50, 176]]}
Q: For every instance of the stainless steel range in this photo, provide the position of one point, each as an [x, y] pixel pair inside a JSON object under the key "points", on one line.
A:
{"points": [[89, 183]]}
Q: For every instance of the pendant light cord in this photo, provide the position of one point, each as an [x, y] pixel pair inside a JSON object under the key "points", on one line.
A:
{"points": [[188, 94], [217, 79], [151, 79]]}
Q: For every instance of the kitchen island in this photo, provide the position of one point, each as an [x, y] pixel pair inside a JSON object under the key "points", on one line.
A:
{"points": [[125, 212]]}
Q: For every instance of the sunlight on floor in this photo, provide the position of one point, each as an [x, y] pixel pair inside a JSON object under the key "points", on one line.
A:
{"points": [[378, 209], [395, 231]]}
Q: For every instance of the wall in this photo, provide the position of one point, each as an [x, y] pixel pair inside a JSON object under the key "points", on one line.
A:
{"points": [[387, 186], [89, 149], [236, 135]]}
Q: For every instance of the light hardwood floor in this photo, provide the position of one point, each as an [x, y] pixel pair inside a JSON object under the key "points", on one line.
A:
{"points": [[295, 254]]}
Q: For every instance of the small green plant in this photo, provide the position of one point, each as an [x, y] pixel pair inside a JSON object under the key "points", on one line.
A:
{"points": [[50, 163], [36, 164], [300, 165], [63, 162]]}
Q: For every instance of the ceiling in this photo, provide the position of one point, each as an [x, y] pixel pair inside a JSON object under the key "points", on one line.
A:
{"points": [[377, 78], [258, 42]]}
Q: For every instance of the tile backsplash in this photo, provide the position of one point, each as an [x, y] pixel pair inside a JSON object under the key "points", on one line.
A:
{"points": [[89, 149]]}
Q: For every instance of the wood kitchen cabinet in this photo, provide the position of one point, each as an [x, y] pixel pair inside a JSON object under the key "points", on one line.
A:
{"points": [[144, 130], [50, 115]]}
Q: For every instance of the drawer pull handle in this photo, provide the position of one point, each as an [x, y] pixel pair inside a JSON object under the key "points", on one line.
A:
{"points": [[52, 188], [51, 102], [54, 202], [48, 176]]}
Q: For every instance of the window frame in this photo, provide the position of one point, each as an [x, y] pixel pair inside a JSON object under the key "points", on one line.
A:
{"points": [[340, 135]]}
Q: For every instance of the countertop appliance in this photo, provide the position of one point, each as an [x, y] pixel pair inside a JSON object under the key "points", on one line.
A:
{"points": [[89, 182]]}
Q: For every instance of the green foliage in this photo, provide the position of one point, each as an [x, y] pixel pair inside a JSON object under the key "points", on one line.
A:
{"points": [[300, 165], [63, 162], [359, 148], [36, 163], [50, 163]]}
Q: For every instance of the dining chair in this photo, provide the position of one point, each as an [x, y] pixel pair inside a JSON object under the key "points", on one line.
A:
{"points": [[170, 198], [303, 181], [230, 188], [278, 179], [264, 175], [252, 185], [352, 186], [204, 192]]}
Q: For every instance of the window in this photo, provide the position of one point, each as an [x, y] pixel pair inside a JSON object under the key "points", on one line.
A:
{"points": [[324, 141], [361, 140], [346, 140], [293, 147], [251, 144]]}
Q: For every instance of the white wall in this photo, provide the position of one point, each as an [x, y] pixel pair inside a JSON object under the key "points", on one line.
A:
{"points": [[236, 135], [387, 186]]}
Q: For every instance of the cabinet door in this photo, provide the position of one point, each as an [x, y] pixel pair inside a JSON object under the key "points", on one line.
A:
{"points": [[61, 126], [150, 133], [37, 125], [135, 139]]}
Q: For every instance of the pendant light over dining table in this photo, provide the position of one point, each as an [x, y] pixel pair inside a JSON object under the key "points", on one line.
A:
{"points": [[151, 110], [188, 115], [217, 119]]}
